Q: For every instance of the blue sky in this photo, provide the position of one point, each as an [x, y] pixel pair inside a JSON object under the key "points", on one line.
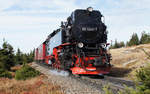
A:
{"points": [[25, 24]]}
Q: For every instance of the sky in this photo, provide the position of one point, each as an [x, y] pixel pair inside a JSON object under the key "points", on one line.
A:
{"points": [[25, 24]]}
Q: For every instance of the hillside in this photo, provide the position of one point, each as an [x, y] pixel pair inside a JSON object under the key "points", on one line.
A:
{"points": [[127, 60]]}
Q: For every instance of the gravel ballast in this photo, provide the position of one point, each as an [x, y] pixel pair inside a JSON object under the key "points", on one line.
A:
{"points": [[68, 84]]}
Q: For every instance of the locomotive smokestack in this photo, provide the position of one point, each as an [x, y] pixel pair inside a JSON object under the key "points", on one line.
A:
{"points": [[90, 9]]}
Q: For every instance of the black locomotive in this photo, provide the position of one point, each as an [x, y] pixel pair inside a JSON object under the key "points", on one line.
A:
{"points": [[79, 45]]}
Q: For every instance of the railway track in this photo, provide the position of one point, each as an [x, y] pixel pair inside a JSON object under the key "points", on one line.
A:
{"points": [[115, 84]]}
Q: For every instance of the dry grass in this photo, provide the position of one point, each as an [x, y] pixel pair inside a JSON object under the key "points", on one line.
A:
{"points": [[127, 60], [38, 85], [16, 67]]}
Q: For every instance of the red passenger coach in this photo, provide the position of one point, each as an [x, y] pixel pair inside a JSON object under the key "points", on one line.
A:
{"points": [[79, 46], [40, 53]]}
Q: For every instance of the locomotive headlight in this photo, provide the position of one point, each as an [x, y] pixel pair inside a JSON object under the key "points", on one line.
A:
{"points": [[90, 9], [80, 45], [103, 45]]}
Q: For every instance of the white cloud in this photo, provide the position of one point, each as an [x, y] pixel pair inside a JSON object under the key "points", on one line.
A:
{"points": [[27, 32], [125, 17], [40, 5], [26, 41], [27, 23], [6, 4], [23, 22]]}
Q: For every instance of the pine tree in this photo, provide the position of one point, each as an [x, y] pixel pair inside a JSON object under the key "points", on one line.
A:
{"points": [[145, 38], [30, 57], [134, 40], [121, 44], [1, 59], [127, 43], [19, 57], [116, 45], [6, 56]]}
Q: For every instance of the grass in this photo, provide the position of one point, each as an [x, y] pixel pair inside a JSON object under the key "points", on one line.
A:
{"points": [[122, 60], [38, 85], [35, 85]]}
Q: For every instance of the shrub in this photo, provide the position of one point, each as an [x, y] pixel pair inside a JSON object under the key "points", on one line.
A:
{"points": [[4, 73], [26, 72], [143, 76]]}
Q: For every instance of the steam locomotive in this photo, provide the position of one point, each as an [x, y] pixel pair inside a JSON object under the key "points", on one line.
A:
{"points": [[79, 45]]}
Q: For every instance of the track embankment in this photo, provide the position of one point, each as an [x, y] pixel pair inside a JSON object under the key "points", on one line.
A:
{"points": [[83, 84]]}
